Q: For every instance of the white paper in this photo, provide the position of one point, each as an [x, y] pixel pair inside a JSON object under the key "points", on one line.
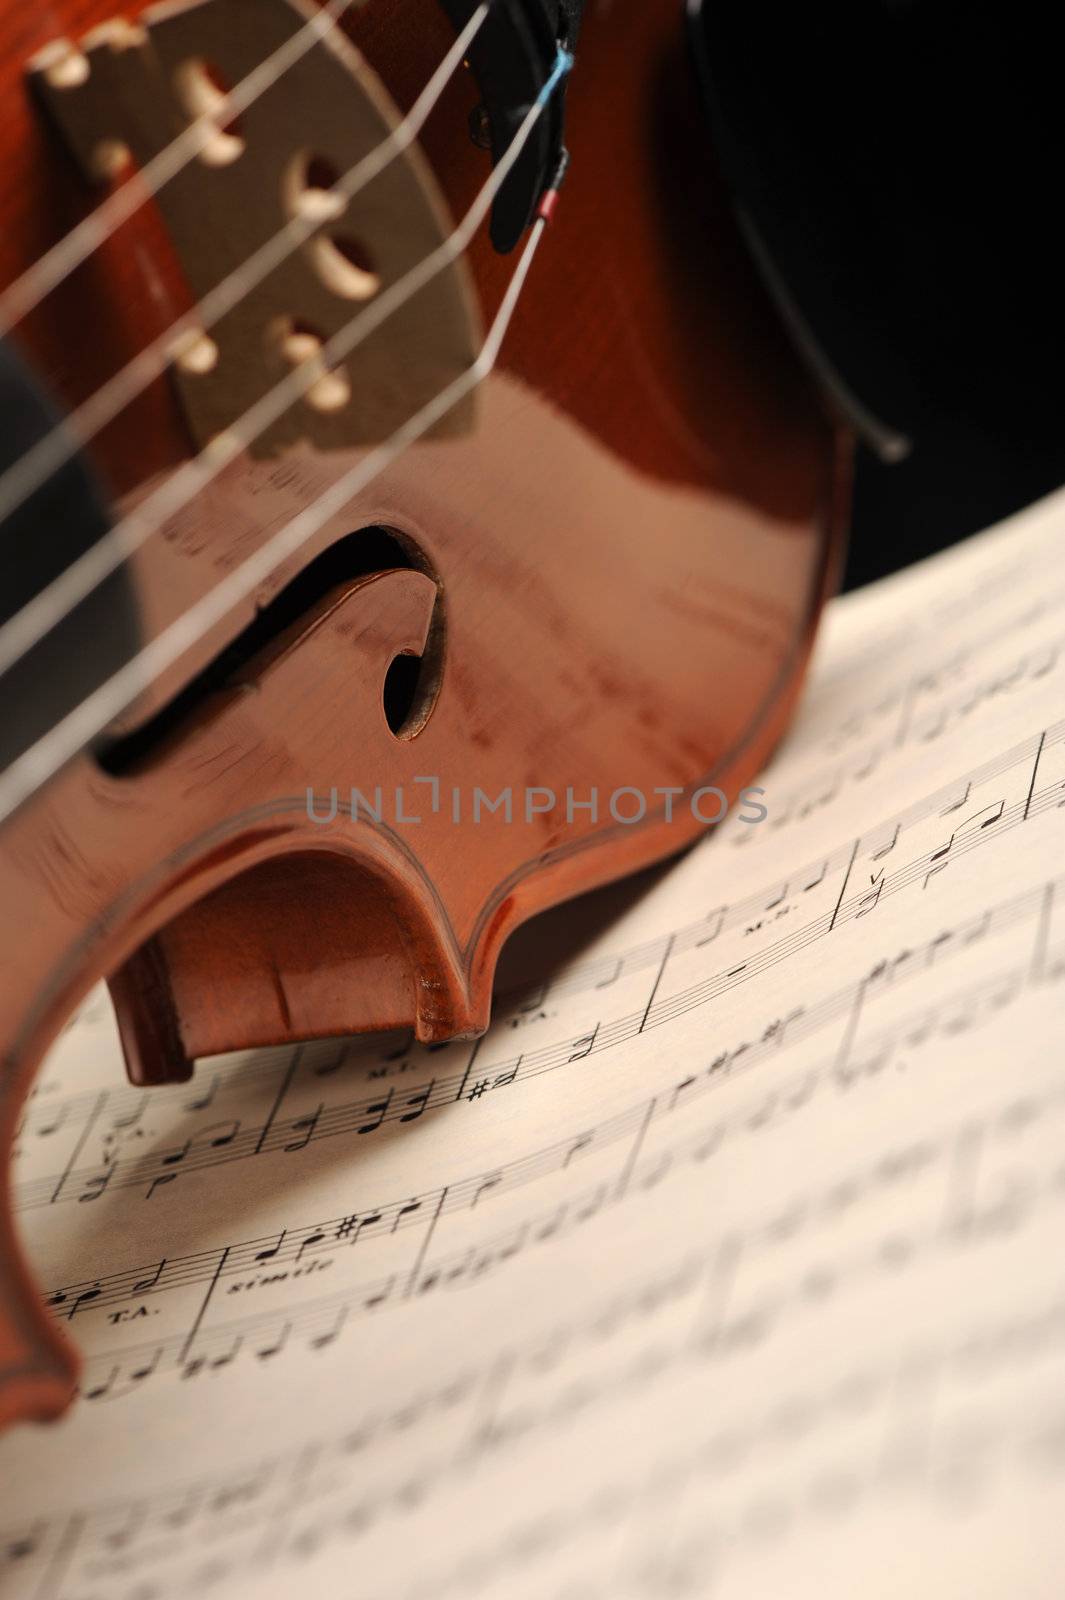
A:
{"points": [[729, 1262]]}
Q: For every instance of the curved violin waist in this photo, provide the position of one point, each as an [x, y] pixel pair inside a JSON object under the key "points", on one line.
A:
{"points": [[407, 669]]}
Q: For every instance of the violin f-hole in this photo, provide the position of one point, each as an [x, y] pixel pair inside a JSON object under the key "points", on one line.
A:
{"points": [[409, 687]]}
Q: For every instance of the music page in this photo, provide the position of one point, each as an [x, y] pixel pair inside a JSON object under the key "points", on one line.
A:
{"points": [[727, 1264]]}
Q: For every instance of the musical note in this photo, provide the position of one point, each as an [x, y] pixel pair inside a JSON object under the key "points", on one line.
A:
{"points": [[405, 1210], [184, 1514], [548, 1230], [655, 1171], [267, 1352], [97, 1184], [824, 797], [800, 1093], [486, 1186], [207, 1140], [306, 1126], [775, 1031], [719, 913], [585, 1045], [377, 1113], [577, 1146], [956, 805], [229, 1356], [900, 961], [53, 1125], [763, 1114], [84, 1298], [432, 1276], [417, 1102], [119, 1538], [20, 1549], [173, 1157], [1003, 993], [533, 1001], [239, 1494], [685, 1083], [516, 1244], [202, 1101], [141, 1374], [591, 1207], [485, 1261], [484, 1085], [984, 818], [320, 1340], [352, 1227], [100, 1391], [326, 1069], [131, 1118], [933, 728], [381, 1295], [779, 817]]}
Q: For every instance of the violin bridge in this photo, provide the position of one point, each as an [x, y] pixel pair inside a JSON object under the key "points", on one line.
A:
{"points": [[126, 92]]}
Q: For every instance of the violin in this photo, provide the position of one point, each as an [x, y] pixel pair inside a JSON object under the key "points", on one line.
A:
{"points": [[413, 513]]}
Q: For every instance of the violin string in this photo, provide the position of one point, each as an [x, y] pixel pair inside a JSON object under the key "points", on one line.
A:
{"points": [[45, 457], [45, 274], [70, 735], [44, 758], [22, 631]]}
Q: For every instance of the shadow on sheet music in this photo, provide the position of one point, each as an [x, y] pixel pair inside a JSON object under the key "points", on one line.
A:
{"points": [[156, 1186]]}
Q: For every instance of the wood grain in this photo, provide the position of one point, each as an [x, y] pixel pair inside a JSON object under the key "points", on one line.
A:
{"points": [[626, 560]]}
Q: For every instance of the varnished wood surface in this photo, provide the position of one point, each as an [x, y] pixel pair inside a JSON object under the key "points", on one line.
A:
{"points": [[631, 550]]}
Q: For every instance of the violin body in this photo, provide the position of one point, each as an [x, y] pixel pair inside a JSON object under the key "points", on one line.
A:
{"points": [[604, 577]]}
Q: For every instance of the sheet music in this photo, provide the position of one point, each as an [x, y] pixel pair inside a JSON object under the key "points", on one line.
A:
{"points": [[727, 1264]]}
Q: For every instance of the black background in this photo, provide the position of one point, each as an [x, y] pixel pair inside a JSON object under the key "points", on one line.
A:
{"points": [[898, 165]]}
